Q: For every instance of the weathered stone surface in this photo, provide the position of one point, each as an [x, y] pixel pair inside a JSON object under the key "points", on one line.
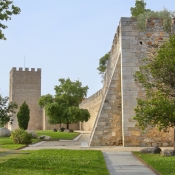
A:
{"points": [[47, 138], [41, 137], [165, 144], [148, 140], [4, 132], [33, 133], [168, 152], [154, 150], [44, 137]]}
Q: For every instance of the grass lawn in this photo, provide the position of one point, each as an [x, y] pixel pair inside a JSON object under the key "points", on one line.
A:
{"points": [[54, 162], [6, 143], [57, 135], [164, 165]]}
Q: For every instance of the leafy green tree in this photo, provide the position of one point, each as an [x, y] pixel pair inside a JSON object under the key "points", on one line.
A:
{"points": [[157, 76], [23, 116], [6, 110], [64, 106], [139, 8], [103, 61], [7, 9]]}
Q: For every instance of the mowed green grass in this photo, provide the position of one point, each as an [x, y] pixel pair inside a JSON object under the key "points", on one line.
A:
{"points": [[164, 165], [57, 135], [55, 162], [7, 143]]}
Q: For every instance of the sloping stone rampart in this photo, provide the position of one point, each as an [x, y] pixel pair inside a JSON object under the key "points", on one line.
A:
{"points": [[107, 129]]}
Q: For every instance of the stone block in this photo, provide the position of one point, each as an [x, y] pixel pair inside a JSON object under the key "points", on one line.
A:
{"points": [[103, 115], [165, 144], [95, 137], [126, 28], [136, 133], [129, 124], [113, 134], [101, 123], [125, 19], [148, 140], [127, 133], [98, 132]]}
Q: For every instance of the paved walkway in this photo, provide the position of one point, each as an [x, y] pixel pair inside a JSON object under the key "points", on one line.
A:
{"points": [[119, 159], [124, 163]]}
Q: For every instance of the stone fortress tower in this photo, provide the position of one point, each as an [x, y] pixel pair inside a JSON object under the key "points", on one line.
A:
{"points": [[25, 85]]}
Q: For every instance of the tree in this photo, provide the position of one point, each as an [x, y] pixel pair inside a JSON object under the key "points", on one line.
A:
{"points": [[23, 116], [139, 8], [64, 106], [7, 9], [103, 64], [6, 110], [157, 76]]}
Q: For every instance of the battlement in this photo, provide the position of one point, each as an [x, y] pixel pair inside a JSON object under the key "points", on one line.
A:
{"points": [[20, 69]]}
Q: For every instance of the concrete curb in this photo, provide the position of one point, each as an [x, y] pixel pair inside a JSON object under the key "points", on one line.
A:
{"points": [[75, 139]]}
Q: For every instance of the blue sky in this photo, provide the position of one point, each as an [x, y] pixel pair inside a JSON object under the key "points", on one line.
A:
{"points": [[65, 38]]}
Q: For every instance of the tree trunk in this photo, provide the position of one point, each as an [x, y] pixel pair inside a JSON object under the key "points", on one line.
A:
{"points": [[67, 125]]}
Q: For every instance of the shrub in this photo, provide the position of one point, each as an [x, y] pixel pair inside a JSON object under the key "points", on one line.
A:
{"points": [[164, 14], [20, 136]]}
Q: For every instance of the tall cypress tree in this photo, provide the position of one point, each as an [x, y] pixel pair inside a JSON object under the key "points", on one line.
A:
{"points": [[23, 116]]}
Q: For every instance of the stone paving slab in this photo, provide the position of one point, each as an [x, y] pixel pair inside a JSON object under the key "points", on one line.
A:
{"points": [[124, 163]]}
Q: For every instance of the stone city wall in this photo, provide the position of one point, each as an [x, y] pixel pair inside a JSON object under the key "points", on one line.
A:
{"points": [[137, 45], [92, 104], [114, 124]]}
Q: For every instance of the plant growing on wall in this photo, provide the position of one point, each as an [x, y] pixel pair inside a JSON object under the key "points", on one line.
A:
{"points": [[7, 9], [103, 61], [6, 110], [164, 14], [140, 8], [23, 116], [141, 13], [157, 76], [64, 106]]}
